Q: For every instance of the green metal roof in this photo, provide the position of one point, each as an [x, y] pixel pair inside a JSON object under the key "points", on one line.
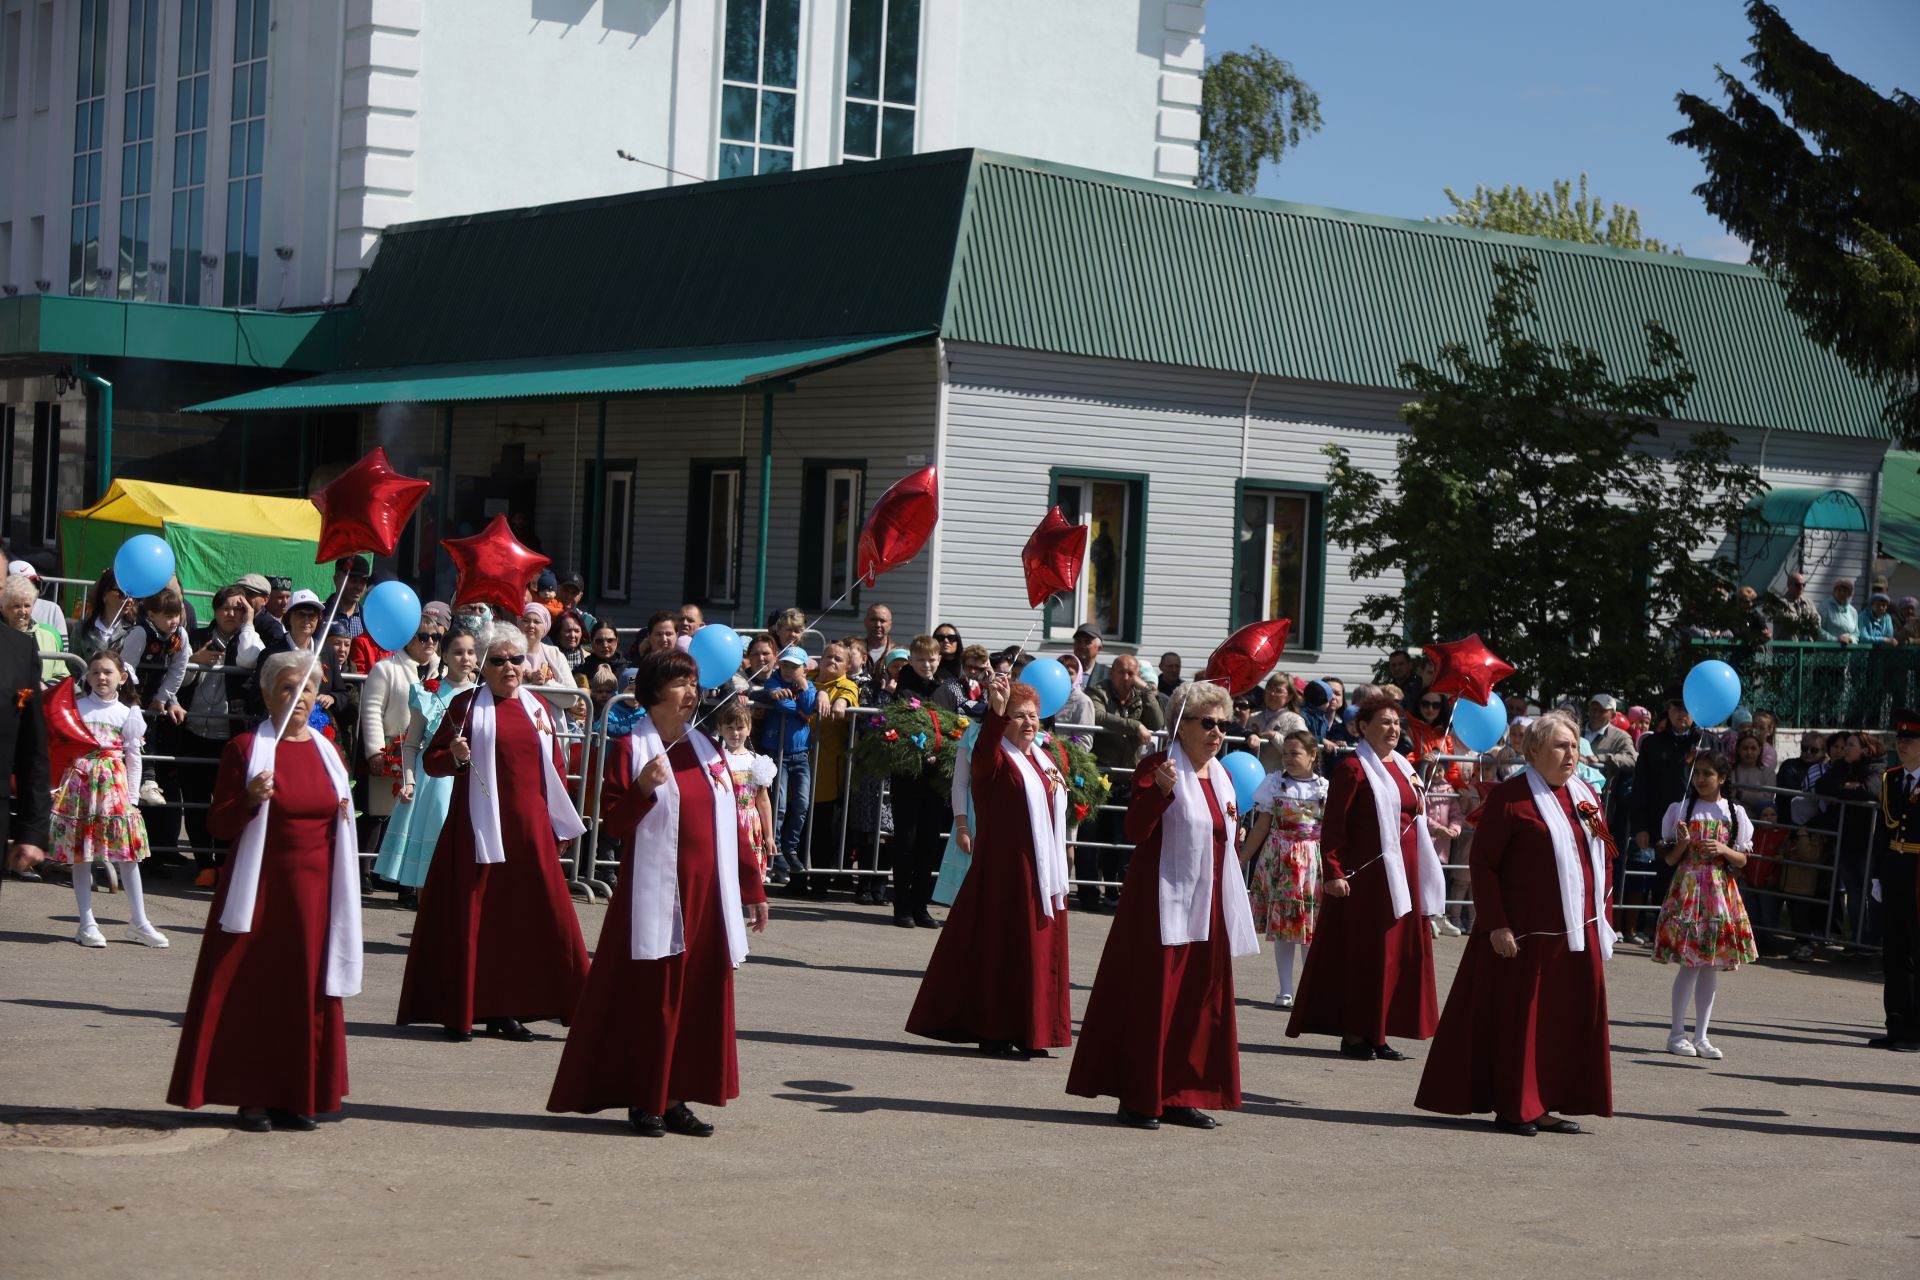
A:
{"points": [[52, 324], [591, 375]]}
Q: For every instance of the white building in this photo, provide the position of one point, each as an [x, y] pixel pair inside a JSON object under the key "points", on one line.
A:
{"points": [[248, 153]]}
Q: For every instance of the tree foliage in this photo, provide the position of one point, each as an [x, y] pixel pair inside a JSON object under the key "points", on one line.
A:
{"points": [[1821, 183], [1531, 503], [1253, 106], [1555, 215]]}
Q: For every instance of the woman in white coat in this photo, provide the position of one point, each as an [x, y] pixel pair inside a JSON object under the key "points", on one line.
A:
{"points": [[385, 714]]}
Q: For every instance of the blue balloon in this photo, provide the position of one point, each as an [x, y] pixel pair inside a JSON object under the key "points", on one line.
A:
{"points": [[1050, 680], [1711, 692], [716, 649], [392, 614], [1479, 725], [1245, 770], [143, 565]]}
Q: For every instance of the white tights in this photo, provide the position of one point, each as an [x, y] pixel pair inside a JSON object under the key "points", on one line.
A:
{"points": [[1699, 982], [1283, 955], [129, 881]]}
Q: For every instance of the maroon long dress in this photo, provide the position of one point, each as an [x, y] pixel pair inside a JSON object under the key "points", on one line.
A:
{"points": [[648, 1032], [494, 940], [1527, 1035], [999, 971], [1159, 1030], [261, 1031], [1367, 975]]}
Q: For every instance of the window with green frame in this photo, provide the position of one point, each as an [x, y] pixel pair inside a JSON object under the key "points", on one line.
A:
{"points": [[1113, 506], [832, 506], [714, 489], [759, 83], [1279, 557]]}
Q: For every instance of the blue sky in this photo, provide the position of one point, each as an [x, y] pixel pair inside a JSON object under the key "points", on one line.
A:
{"points": [[1424, 94]]}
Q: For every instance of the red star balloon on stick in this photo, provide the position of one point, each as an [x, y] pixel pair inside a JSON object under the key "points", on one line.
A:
{"points": [[365, 508], [1246, 657], [898, 526], [1053, 556], [494, 567], [68, 737], [1466, 667]]}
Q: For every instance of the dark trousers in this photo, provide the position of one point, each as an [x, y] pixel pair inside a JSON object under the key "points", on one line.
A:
{"points": [[920, 822], [164, 836], [1900, 954], [196, 778], [823, 854], [1104, 864]]}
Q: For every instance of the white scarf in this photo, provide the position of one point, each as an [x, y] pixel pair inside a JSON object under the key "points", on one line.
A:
{"points": [[657, 925], [483, 797], [1047, 825], [1565, 860], [1386, 810], [343, 905], [1186, 863]]}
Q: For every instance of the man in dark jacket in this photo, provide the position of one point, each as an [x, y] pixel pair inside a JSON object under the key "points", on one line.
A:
{"points": [[1128, 713], [23, 744], [1660, 778]]}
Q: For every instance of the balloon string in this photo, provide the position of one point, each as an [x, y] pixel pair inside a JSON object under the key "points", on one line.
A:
{"points": [[319, 638]]}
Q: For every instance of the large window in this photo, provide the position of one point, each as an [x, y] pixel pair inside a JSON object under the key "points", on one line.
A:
{"points": [[760, 76], [1113, 507], [713, 531], [193, 87], [246, 152], [613, 566], [883, 78], [89, 149], [136, 146], [832, 506], [1278, 558]]}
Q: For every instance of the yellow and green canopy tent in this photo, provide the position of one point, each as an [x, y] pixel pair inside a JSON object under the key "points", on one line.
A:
{"points": [[215, 536]]}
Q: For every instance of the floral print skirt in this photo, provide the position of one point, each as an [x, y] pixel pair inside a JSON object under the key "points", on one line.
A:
{"points": [[1703, 921], [94, 819]]}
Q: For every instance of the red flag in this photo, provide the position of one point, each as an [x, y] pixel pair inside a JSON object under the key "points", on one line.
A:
{"points": [[1246, 657], [365, 508], [1053, 556], [1466, 667], [494, 567], [898, 525]]}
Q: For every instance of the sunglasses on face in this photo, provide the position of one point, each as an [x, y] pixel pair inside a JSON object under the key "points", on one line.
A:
{"points": [[1210, 724], [948, 639], [427, 637], [510, 660], [1432, 702]]}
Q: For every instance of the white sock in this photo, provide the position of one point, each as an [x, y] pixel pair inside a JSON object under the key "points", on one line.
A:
{"points": [[1703, 992], [83, 892], [1682, 989], [136, 898], [1283, 953]]}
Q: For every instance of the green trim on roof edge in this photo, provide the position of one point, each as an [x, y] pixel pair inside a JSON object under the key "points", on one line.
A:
{"points": [[58, 325]]}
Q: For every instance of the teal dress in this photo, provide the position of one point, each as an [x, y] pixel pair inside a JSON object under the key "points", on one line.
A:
{"points": [[953, 867], [414, 828]]}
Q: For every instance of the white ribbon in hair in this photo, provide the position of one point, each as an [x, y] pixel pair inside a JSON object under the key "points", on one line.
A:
{"points": [[1573, 910], [1386, 810], [483, 798]]}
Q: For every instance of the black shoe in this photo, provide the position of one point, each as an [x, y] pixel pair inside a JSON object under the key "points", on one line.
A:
{"points": [[998, 1049], [1525, 1128], [903, 922], [682, 1121], [1135, 1120], [647, 1126], [256, 1122], [1894, 1043], [509, 1029], [1387, 1053], [456, 1035], [1546, 1125], [925, 921], [410, 898], [290, 1120], [1191, 1117], [1021, 1051], [1357, 1049], [1088, 902]]}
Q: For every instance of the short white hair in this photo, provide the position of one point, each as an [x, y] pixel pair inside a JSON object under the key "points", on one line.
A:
{"points": [[18, 589], [502, 635], [276, 668], [1198, 699], [1542, 730]]}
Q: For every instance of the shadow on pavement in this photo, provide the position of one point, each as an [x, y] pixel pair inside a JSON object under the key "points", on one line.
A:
{"points": [[787, 962], [1776, 1130], [865, 1104], [810, 1041], [85, 1007], [613, 1125]]}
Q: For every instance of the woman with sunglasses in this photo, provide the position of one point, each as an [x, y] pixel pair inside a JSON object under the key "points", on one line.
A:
{"points": [[385, 715], [1446, 786], [1159, 1034], [496, 938], [952, 666], [1369, 974], [406, 846]]}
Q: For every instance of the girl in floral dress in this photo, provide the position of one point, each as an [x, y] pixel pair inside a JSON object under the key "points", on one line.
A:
{"points": [[1286, 836], [1703, 925], [406, 846], [752, 775], [94, 817]]}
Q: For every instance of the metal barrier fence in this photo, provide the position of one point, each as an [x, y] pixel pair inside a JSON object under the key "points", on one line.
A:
{"points": [[1818, 682]]}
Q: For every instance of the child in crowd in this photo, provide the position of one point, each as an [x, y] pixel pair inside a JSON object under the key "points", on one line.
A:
{"points": [[832, 723], [94, 817], [1763, 871], [1286, 836], [1703, 924], [752, 774], [155, 656], [787, 703]]}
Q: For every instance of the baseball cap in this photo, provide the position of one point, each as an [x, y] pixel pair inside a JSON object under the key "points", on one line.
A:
{"points": [[303, 599], [795, 654], [254, 583], [355, 566], [895, 655], [575, 581], [1088, 630], [21, 568], [1602, 700], [546, 581]]}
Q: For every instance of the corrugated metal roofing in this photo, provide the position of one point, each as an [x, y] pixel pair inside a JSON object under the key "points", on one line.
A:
{"points": [[588, 375]]}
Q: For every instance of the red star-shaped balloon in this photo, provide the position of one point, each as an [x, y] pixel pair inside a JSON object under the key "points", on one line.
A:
{"points": [[1466, 667], [1246, 657], [898, 526], [1053, 556], [68, 737], [494, 567], [365, 508]]}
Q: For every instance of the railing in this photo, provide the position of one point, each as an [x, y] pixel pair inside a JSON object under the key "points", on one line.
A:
{"points": [[1812, 683]]}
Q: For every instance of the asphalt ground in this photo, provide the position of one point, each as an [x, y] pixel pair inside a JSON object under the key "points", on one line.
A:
{"points": [[855, 1150]]}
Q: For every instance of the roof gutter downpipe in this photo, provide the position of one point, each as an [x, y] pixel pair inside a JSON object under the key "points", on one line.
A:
{"points": [[103, 468], [1246, 425]]}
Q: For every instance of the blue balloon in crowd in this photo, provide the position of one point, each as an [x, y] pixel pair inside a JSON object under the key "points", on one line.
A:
{"points": [[1711, 692], [143, 565], [1050, 680], [392, 614], [716, 649], [1479, 725], [1245, 770]]}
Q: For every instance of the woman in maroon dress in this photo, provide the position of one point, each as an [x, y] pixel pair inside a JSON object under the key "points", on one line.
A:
{"points": [[496, 937], [1369, 974], [264, 1029], [1159, 1033], [998, 976], [1525, 1031], [654, 1030]]}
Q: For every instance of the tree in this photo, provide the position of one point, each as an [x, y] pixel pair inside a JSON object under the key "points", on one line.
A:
{"points": [[1252, 108], [1823, 191], [1530, 506], [1557, 216]]}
